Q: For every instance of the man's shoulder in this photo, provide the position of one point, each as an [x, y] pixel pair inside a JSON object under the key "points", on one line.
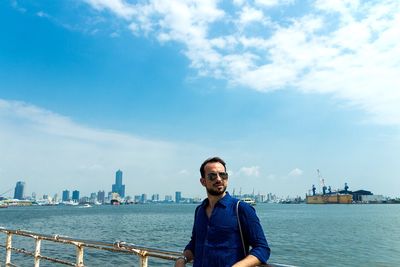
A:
{"points": [[229, 199], [245, 207], [233, 201]]}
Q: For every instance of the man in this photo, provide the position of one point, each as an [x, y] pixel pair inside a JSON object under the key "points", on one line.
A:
{"points": [[216, 239]]}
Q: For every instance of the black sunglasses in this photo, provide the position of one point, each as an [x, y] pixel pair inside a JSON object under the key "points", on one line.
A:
{"points": [[212, 176]]}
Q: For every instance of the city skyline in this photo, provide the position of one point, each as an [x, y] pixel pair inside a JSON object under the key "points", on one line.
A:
{"points": [[278, 89], [139, 196], [100, 197]]}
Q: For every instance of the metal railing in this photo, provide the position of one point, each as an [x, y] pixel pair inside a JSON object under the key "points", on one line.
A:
{"points": [[144, 253]]}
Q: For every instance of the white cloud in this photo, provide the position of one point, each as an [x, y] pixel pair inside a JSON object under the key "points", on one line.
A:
{"points": [[41, 147], [42, 14], [250, 171], [114, 35], [344, 7], [239, 2], [296, 172], [120, 7], [348, 49], [15, 5], [249, 15], [272, 3]]}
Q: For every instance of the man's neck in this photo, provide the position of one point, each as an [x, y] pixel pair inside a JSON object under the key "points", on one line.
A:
{"points": [[212, 200]]}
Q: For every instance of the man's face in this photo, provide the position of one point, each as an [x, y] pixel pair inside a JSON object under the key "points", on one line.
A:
{"points": [[218, 186]]}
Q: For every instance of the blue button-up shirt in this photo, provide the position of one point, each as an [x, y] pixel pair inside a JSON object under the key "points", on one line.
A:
{"points": [[216, 240]]}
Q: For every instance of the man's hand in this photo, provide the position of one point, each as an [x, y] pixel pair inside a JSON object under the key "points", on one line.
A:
{"points": [[186, 257], [180, 262]]}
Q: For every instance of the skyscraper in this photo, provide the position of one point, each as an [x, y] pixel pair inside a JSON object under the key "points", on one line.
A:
{"points": [[155, 197], [19, 190], [143, 199], [178, 196], [65, 195], [118, 187], [75, 195], [118, 177], [101, 196], [93, 197]]}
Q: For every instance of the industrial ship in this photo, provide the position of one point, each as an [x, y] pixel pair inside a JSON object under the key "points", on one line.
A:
{"points": [[329, 197]]}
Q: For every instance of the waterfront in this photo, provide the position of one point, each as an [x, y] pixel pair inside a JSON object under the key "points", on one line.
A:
{"points": [[303, 235]]}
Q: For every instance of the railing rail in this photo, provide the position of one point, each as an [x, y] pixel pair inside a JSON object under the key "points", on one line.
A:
{"points": [[119, 247]]}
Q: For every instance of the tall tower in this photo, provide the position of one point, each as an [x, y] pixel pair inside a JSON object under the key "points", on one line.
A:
{"points": [[118, 187], [65, 195], [19, 190], [118, 178], [178, 196], [75, 195]]}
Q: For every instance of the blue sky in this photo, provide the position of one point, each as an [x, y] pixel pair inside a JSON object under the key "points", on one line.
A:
{"points": [[279, 88]]}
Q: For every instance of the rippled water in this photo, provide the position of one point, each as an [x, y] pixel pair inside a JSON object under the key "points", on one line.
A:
{"points": [[302, 235]]}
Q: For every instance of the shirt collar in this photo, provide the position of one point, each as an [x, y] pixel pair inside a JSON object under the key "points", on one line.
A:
{"points": [[223, 201]]}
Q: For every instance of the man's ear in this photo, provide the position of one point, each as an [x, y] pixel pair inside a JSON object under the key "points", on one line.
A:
{"points": [[203, 181]]}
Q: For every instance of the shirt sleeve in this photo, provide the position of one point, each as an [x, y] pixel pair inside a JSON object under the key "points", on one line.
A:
{"points": [[191, 245], [253, 233]]}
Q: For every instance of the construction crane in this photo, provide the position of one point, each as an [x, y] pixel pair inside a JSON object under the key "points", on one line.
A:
{"points": [[322, 181]]}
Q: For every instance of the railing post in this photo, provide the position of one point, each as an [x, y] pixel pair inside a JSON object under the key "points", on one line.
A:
{"points": [[37, 252], [8, 249], [79, 255], [143, 259]]}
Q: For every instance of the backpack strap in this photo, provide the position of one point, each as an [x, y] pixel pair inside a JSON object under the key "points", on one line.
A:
{"points": [[240, 228]]}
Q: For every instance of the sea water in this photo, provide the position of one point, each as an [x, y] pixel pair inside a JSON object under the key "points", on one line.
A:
{"points": [[298, 234]]}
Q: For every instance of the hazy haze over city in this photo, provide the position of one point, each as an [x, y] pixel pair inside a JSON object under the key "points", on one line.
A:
{"points": [[278, 88]]}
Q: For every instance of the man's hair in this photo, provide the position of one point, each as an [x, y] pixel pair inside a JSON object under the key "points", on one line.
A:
{"points": [[211, 160]]}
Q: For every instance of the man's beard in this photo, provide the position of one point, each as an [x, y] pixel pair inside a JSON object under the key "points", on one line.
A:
{"points": [[217, 192]]}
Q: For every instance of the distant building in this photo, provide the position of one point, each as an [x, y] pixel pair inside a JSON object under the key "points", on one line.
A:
{"points": [[75, 195], [143, 198], [271, 197], [65, 195], [19, 190], [168, 198], [93, 197], [101, 197], [155, 197], [357, 195], [129, 200], [84, 200], [196, 199], [178, 196], [118, 187], [372, 198], [260, 198], [137, 198]]}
